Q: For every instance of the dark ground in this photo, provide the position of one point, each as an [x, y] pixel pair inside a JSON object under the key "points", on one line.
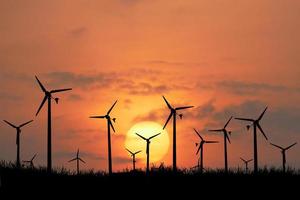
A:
{"points": [[158, 184]]}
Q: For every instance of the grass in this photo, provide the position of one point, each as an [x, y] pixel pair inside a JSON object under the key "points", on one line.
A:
{"points": [[62, 179]]}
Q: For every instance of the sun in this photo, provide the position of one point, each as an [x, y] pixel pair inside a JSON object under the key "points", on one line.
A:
{"points": [[159, 145]]}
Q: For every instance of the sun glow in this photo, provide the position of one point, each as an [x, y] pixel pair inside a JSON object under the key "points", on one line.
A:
{"points": [[159, 145]]}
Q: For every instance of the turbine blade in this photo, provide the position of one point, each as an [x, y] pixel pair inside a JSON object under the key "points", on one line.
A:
{"points": [[210, 142], [261, 130], [43, 102], [169, 106], [227, 137], [10, 124], [216, 130], [72, 160], [200, 146], [198, 134], [168, 120], [249, 160], [276, 146], [243, 159], [25, 123], [154, 136], [141, 136], [41, 85], [184, 107], [228, 122], [111, 125], [97, 117], [112, 107], [33, 157], [60, 90], [244, 119], [137, 152], [291, 146], [81, 160], [129, 151], [262, 114]]}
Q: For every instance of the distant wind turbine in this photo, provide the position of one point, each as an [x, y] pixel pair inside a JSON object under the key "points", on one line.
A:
{"points": [[77, 158], [147, 147], [133, 157], [226, 137], [30, 162], [255, 123], [200, 148], [109, 125], [173, 113], [246, 162], [18, 129], [283, 150], [48, 97]]}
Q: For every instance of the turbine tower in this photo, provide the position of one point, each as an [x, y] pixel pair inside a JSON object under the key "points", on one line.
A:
{"points": [[77, 158], [147, 147], [133, 157], [255, 123], [109, 125], [18, 129], [200, 148], [283, 150], [226, 137], [48, 97], [173, 113]]}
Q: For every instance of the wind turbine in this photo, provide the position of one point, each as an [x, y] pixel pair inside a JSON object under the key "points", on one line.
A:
{"points": [[18, 128], [255, 123], [77, 158], [246, 162], [147, 147], [201, 144], [48, 96], [30, 161], [109, 125], [283, 150], [226, 137], [173, 113], [133, 157]]}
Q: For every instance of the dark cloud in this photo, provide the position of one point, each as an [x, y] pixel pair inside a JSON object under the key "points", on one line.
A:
{"points": [[9, 97], [249, 88], [77, 32], [154, 115], [171, 63], [75, 97], [122, 160]]}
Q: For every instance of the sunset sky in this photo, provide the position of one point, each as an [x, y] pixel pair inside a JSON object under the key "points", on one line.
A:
{"points": [[226, 58]]}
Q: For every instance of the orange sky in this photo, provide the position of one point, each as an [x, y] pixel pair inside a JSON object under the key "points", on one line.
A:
{"points": [[224, 57]]}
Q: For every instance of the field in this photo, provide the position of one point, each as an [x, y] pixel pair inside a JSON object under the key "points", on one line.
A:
{"points": [[163, 180]]}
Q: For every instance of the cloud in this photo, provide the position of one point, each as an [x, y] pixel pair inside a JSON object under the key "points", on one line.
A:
{"points": [[9, 97], [122, 160], [75, 97], [77, 32], [249, 88], [154, 115], [171, 63]]}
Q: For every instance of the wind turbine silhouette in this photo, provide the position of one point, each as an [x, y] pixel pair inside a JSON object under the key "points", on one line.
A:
{"points": [[283, 150], [246, 162], [173, 113], [77, 158], [147, 147], [18, 128], [30, 161], [255, 123], [226, 137], [48, 96], [109, 125], [133, 157], [201, 144]]}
